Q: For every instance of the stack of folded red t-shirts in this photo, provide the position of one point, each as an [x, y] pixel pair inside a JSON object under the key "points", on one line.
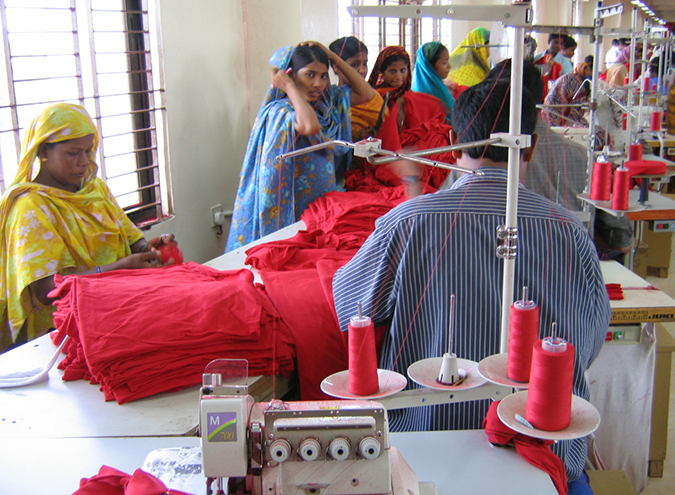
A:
{"points": [[298, 276], [141, 332]]}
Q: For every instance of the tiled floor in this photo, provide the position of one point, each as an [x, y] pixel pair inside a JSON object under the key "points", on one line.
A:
{"points": [[666, 485]]}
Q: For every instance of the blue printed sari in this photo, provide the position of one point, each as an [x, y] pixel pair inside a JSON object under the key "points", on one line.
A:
{"points": [[273, 194]]}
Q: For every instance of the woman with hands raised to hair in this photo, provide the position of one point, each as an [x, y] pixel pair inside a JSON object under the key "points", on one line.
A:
{"points": [[300, 109]]}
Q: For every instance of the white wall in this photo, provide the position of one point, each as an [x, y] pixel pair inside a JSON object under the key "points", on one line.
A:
{"points": [[216, 73]]}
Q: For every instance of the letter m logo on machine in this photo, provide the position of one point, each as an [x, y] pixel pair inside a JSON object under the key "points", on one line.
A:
{"points": [[221, 427]]}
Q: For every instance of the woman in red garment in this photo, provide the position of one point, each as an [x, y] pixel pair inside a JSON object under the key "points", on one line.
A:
{"points": [[416, 120]]}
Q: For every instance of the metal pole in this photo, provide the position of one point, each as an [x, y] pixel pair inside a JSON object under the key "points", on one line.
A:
{"points": [[515, 109], [593, 100]]}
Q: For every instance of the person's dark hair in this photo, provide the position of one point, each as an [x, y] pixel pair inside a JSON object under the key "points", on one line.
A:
{"points": [[624, 41], [304, 55], [555, 36], [568, 42], [437, 54], [615, 42], [483, 109], [589, 60], [347, 47], [532, 80], [390, 60]]}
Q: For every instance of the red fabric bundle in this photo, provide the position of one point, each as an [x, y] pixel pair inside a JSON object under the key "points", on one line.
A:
{"points": [[142, 332], [645, 167], [111, 481], [614, 291], [536, 452]]}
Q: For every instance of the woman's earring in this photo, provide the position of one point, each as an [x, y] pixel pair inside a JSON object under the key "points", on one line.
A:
{"points": [[43, 159]]}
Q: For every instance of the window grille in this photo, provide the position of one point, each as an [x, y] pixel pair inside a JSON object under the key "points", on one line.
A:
{"points": [[103, 54], [377, 33]]}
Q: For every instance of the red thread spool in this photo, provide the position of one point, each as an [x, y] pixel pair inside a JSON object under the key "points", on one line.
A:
{"points": [[601, 182], [549, 397], [635, 152], [624, 121], [656, 121], [362, 357], [645, 83], [620, 189], [170, 250], [523, 333]]}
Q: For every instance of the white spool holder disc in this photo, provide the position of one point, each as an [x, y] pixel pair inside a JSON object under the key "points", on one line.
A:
{"points": [[493, 369], [337, 385], [499, 44], [425, 373], [585, 418]]}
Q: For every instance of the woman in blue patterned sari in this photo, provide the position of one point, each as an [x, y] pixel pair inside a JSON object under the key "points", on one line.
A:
{"points": [[301, 109]]}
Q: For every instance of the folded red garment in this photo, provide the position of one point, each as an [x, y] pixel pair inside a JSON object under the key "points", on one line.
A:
{"points": [[536, 452], [111, 481], [614, 291], [645, 167], [141, 332]]}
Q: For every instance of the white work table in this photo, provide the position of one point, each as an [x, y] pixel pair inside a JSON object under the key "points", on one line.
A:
{"points": [[458, 462], [58, 409], [642, 302]]}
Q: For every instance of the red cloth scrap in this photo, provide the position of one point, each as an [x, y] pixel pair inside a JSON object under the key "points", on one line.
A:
{"points": [[535, 451], [111, 481], [142, 332]]}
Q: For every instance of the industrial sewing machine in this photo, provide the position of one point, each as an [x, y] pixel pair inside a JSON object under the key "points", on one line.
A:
{"points": [[323, 447]]}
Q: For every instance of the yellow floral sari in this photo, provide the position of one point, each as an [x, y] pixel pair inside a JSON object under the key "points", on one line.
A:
{"points": [[468, 65], [46, 230]]}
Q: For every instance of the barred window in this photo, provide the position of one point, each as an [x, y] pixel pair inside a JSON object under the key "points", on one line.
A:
{"points": [[377, 33], [103, 54]]}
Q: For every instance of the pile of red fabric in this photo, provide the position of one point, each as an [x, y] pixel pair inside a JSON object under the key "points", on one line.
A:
{"points": [[337, 225], [141, 332]]}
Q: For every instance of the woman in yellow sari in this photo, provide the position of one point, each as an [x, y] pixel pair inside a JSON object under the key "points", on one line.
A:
{"points": [[58, 217], [469, 61]]}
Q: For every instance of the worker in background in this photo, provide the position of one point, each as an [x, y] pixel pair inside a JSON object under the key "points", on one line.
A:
{"points": [[440, 244], [545, 61], [564, 57], [612, 53]]}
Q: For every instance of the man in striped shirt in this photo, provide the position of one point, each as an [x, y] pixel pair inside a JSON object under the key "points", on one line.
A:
{"points": [[444, 243]]}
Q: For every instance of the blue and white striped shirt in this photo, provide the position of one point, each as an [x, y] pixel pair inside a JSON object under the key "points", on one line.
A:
{"points": [[444, 243]]}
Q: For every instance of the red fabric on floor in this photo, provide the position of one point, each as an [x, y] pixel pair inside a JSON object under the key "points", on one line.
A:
{"points": [[536, 452], [142, 332], [111, 481]]}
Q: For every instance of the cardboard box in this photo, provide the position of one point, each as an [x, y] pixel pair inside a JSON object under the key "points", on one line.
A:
{"points": [[659, 252]]}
